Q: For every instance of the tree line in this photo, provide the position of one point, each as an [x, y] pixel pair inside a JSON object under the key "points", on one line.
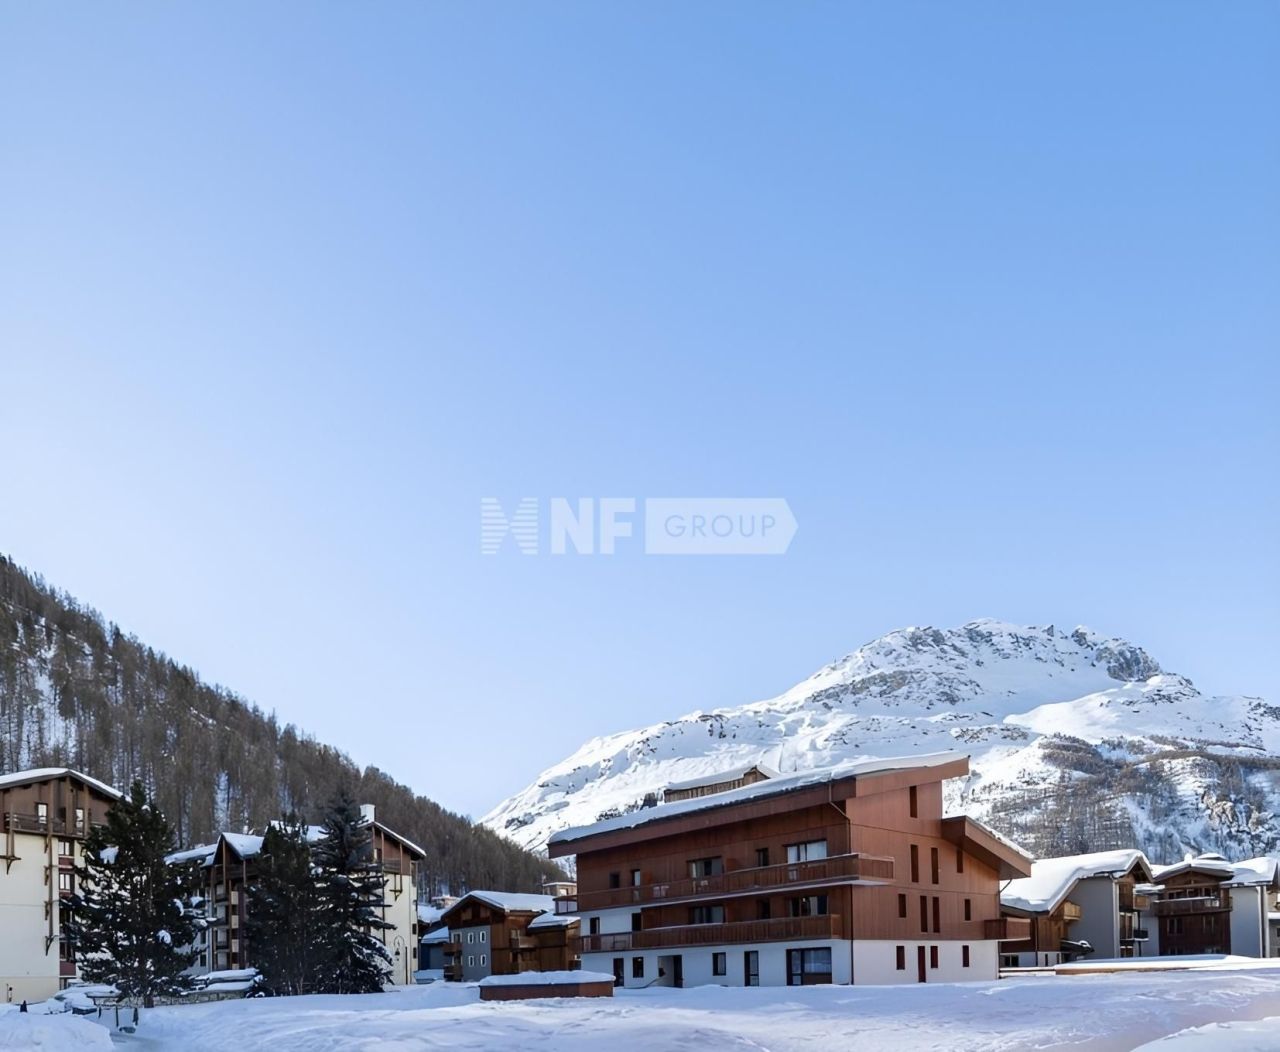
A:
{"points": [[76, 691]]}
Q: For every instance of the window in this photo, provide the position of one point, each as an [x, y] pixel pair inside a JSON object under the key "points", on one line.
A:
{"points": [[637, 921], [635, 878], [937, 915], [959, 861], [915, 802], [484, 934], [637, 967], [706, 914], [593, 926], [65, 885], [807, 906], [964, 956], [751, 968], [968, 909], [762, 856], [764, 909], [933, 956], [719, 964], [471, 960], [80, 819], [619, 971], [483, 960], [807, 852], [902, 958], [924, 913], [933, 865], [65, 849], [615, 880], [902, 905], [706, 867], [1175, 925], [471, 936], [915, 864], [807, 967]]}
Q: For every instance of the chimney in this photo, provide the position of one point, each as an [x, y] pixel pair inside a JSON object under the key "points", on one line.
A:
{"points": [[366, 814]]}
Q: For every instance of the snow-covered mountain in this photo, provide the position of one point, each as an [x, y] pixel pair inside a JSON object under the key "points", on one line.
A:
{"points": [[1078, 742]]}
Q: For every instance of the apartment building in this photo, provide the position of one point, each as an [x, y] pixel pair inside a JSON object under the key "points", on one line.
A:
{"points": [[505, 933], [1192, 901], [1255, 920], [841, 875], [229, 865], [45, 815], [1079, 906]]}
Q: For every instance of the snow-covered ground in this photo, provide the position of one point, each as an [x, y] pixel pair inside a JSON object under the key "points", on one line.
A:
{"points": [[1093, 1012]]}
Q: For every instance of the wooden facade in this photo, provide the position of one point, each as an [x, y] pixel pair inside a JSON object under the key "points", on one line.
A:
{"points": [[505, 940], [855, 858], [1193, 912]]}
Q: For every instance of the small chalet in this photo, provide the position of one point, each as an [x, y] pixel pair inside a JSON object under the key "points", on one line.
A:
{"points": [[505, 933]]}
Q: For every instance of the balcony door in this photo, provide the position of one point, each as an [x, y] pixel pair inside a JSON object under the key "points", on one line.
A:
{"points": [[922, 974], [751, 968]]}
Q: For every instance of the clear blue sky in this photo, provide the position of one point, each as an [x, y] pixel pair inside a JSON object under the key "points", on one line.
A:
{"points": [[988, 292]]}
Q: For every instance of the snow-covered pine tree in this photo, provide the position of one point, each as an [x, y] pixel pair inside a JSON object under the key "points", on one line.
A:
{"points": [[131, 919], [350, 885], [281, 923]]}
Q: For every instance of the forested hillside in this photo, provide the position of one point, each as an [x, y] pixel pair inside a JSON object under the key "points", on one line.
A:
{"points": [[77, 691]]}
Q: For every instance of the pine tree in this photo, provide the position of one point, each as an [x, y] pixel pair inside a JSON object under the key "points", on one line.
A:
{"points": [[281, 923], [131, 921], [350, 887]]}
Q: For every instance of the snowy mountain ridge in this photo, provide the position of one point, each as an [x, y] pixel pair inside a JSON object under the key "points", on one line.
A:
{"points": [[1078, 742]]}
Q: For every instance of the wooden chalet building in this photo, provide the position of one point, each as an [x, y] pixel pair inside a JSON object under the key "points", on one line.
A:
{"points": [[45, 815], [848, 874], [1192, 906], [1079, 906], [505, 933]]}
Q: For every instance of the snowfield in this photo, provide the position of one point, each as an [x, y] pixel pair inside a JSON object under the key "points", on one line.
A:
{"points": [[1093, 1012]]}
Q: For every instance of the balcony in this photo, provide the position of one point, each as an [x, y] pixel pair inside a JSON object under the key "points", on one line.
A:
{"points": [[1214, 901], [871, 869], [781, 928], [1071, 912], [453, 973], [1136, 935], [523, 942], [1007, 929], [392, 865], [451, 949]]}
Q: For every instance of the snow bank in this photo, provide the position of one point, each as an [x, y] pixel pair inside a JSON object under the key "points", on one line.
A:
{"points": [[49, 1033], [1262, 1035], [547, 978]]}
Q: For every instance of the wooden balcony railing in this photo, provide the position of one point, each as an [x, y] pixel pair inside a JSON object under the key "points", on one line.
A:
{"points": [[451, 949], [21, 823], [1071, 912], [523, 942], [781, 928], [1007, 929], [871, 868], [453, 973], [1209, 902], [392, 865]]}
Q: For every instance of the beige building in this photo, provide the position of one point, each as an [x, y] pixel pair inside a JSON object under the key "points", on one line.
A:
{"points": [[45, 815]]}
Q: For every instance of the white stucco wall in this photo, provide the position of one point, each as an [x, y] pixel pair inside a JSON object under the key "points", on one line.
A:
{"points": [[875, 963], [27, 971]]}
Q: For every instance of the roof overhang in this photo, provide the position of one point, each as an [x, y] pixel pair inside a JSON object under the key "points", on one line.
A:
{"points": [[977, 840]]}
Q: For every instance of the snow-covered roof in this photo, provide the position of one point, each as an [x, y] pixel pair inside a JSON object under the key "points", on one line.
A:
{"points": [[1052, 879], [547, 979], [403, 839], [428, 914], [438, 935], [1212, 863], [44, 774], [552, 920], [716, 777], [1260, 870], [246, 845], [510, 901], [769, 787], [202, 853]]}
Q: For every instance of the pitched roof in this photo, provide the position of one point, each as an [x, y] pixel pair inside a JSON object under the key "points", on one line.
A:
{"points": [[716, 777], [759, 790], [1213, 864], [1260, 870], [506, 901], [44, 774], [552, 920], [1053, 879]]}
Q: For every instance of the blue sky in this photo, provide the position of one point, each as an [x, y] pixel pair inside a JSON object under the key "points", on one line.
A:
{"points": [[987, 292]]}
